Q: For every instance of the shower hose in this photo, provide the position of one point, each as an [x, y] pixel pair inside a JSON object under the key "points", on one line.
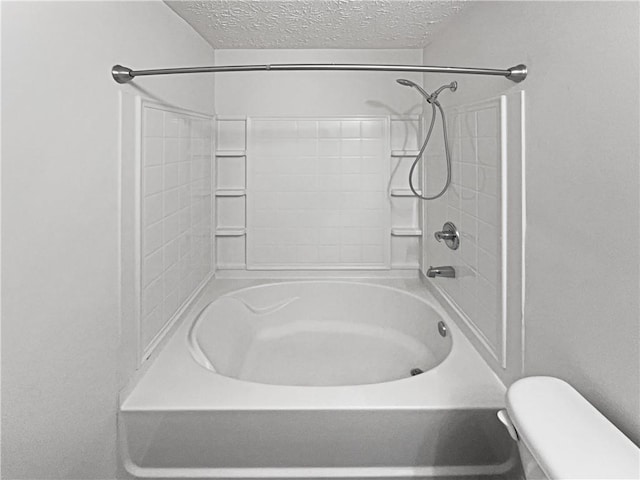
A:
{"points": [[434, 104]]}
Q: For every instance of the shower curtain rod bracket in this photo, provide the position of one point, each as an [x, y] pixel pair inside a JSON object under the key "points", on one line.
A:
{"points": [[121, 74], [518, 73], [124, 74]]}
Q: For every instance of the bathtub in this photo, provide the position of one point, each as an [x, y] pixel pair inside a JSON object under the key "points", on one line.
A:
{"points": [[319, 334], [316, 379]]}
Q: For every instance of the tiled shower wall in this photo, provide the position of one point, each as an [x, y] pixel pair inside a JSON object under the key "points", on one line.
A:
{"points": [[473, 204], [318, 193], [176, 213], [304, 193]]}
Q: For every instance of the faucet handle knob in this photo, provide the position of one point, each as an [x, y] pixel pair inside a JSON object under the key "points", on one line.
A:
{"points": [[444, 235], [449, 234]]}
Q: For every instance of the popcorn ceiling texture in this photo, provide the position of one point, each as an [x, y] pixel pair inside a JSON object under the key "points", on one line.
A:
{"points": [[315, 23]]}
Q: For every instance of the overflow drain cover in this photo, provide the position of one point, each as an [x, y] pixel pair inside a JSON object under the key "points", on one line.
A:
{"points": [[442, 329], [416, 371]]}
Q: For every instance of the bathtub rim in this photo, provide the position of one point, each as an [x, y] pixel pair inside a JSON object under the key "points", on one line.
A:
{"points": [[462, 380]]}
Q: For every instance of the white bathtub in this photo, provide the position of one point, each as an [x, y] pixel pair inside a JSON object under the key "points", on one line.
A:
{"points": [[319, 334], [313, 380]]}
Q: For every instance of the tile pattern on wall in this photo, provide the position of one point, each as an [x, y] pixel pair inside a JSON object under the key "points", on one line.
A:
{"points": [[317, 193], [176, 213], [473, 204]]}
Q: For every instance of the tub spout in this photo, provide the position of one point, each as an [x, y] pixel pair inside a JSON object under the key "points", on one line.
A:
{"points": [[447, 272]]}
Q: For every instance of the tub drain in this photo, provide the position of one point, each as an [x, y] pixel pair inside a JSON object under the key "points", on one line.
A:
{"points": [[416, 371]]}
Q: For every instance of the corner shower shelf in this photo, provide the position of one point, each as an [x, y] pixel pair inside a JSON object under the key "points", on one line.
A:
{"points": [[231, 232], [404, 153], [231, 153], [406, 232], [403, 192], [231, 192]]}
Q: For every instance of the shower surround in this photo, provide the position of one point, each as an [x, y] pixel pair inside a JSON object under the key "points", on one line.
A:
{"points": [[289, 192], [316, 193], [311, 195]]}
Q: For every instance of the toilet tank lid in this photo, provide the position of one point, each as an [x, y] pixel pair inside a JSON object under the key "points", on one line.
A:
{"points": [[567, 436]]}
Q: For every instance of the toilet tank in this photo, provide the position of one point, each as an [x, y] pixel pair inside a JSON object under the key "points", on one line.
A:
{"points": [[562, 436]]}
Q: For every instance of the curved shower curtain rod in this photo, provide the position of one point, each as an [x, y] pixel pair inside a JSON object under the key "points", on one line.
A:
{"points": [[124, 74]]}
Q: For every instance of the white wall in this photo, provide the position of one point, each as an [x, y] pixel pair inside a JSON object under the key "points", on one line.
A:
{"points": [[582, 280], [315, 93], [61, 224]]}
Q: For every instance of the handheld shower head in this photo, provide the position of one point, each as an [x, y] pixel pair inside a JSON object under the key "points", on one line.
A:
{"points": [[405, 82], [409, 83]]}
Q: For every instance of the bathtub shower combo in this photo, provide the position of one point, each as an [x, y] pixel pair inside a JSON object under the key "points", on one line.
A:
{"points": [[318, 378]]}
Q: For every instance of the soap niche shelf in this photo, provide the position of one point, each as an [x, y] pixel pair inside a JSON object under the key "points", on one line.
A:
{"points": [[230, 212], [405, 153], [406, 231], [230, 192], [403, 192]]}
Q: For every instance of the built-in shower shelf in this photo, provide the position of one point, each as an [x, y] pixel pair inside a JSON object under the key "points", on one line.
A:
{"points": [[231, 192], [404, 153], [406, 232], [403, 192], [231, 153], [231, 232]]}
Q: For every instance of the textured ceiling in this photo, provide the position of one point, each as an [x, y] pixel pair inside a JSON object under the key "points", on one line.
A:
{"points": [[316, 23]]}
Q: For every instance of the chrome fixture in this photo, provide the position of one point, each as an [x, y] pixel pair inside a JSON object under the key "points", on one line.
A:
{"points": [[447, 272], [122, 74], [431, 98], [449, 234], [442, 328]]}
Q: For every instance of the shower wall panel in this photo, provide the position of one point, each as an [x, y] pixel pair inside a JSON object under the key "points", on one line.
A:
{"points": [[317, 193], [338, 226], [476, 203], [175, 214]]}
